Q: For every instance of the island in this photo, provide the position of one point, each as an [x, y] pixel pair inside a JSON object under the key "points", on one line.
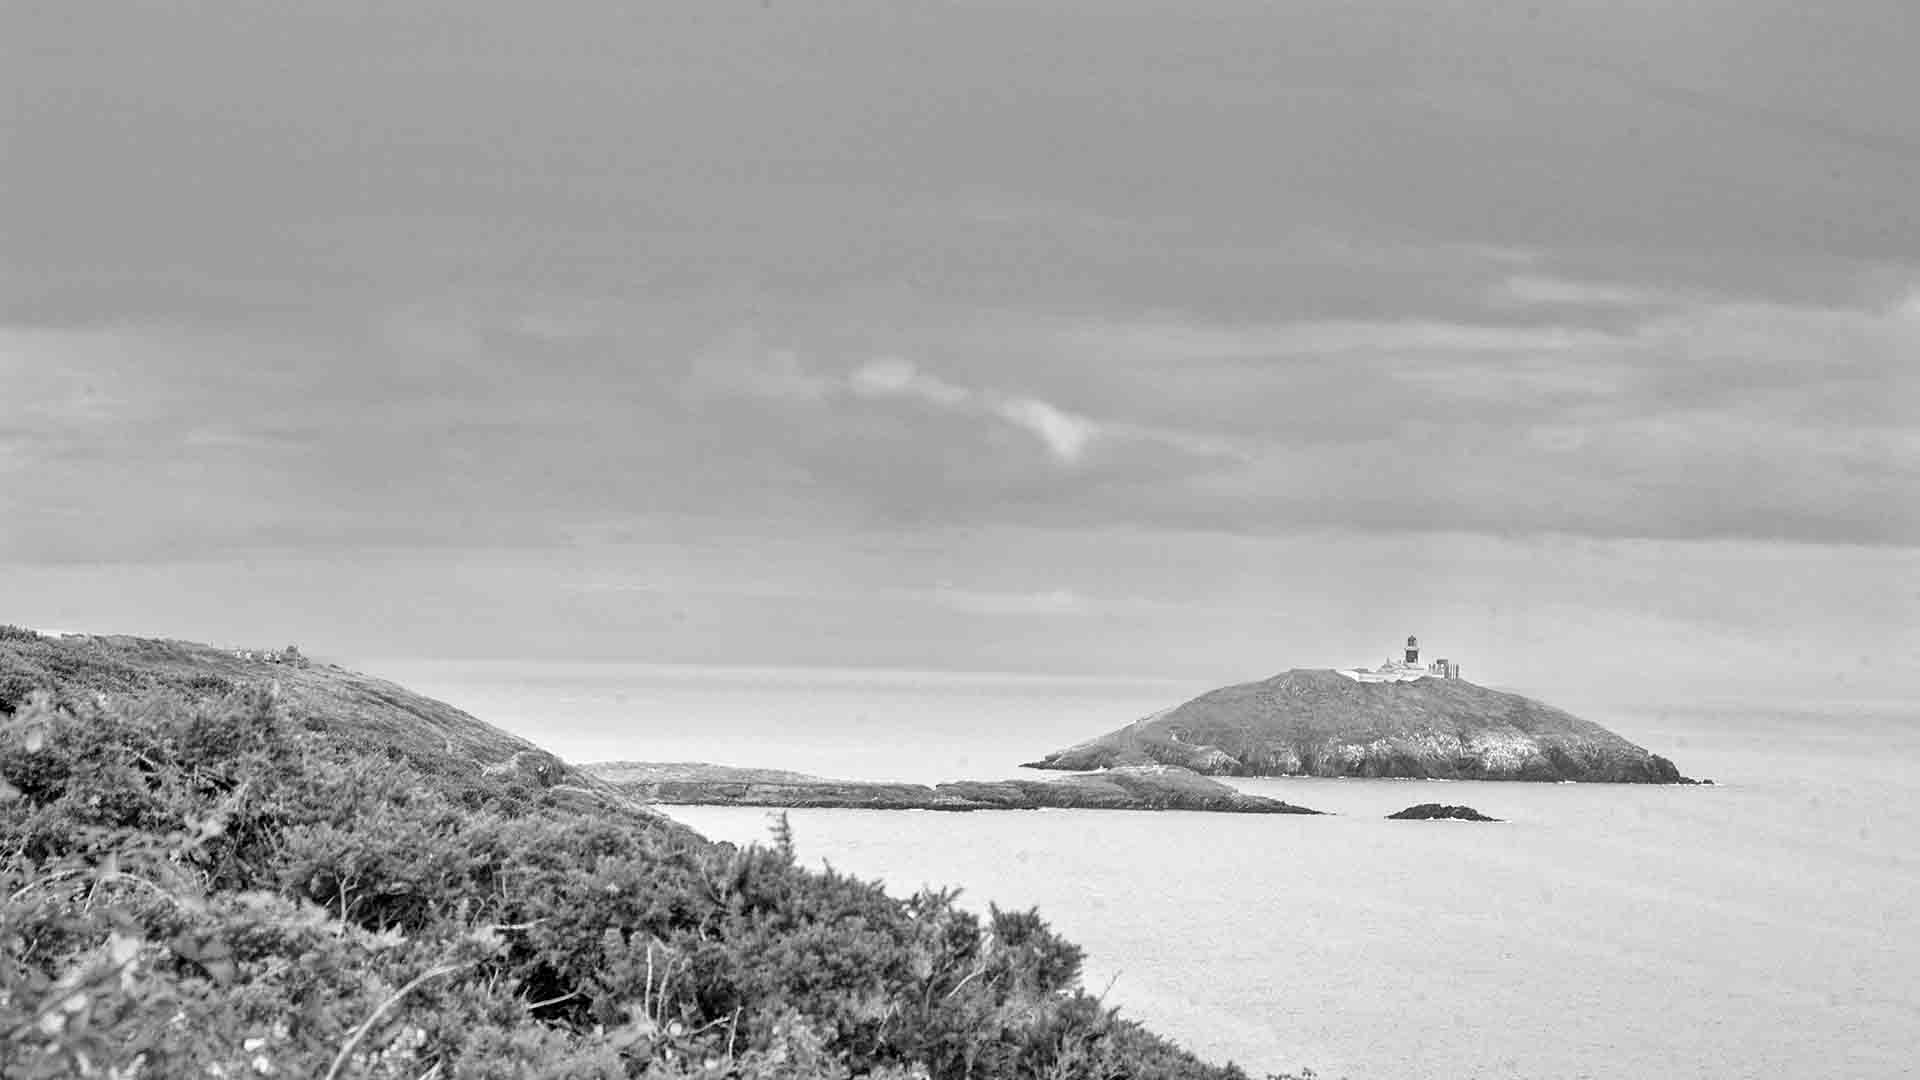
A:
{"points": [[1128, 787], [1400, 720]]}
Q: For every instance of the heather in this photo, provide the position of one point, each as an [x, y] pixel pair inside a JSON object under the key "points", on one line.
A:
{"points": [[226, 884]]}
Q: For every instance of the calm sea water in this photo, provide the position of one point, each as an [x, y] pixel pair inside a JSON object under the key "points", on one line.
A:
{"points": [[1768, 926]]}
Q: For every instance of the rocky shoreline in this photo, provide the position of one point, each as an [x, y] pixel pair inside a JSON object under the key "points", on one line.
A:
{"points": [[1137, 787]]}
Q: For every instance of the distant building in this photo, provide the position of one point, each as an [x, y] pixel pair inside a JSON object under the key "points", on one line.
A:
{"points": [[1404, 670]]}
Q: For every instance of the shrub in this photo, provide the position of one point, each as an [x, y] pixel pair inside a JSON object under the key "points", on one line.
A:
{"points": [[211, 888]]}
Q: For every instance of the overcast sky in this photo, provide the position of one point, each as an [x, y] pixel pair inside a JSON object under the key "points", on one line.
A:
{"points": [[1198, 340]]}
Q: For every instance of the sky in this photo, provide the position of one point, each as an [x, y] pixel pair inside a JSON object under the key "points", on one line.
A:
{"points": [[1184, 340]]}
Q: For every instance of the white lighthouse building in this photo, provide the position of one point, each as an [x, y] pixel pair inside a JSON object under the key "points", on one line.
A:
{"points": [[1404, 670]]}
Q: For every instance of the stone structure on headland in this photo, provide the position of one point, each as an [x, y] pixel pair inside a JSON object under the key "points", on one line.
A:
{"points": [[1404, 670]]}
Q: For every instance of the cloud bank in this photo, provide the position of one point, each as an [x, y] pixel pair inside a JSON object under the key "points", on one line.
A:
{"points": [[646, 296]]}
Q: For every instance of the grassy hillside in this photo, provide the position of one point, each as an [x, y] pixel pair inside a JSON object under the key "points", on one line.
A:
{"points": [[215, 869], [356, 705], [1319, 723]]}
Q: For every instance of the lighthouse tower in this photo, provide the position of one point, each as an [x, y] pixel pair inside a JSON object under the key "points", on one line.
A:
{"points": [[1408, 670]]}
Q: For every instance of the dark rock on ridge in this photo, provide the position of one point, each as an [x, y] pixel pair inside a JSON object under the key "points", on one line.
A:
{"points": [[1309, 722], [1433, 811], [1138, 787]]}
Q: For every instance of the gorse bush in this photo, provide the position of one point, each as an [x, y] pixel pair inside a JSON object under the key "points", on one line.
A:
{"points": [[218, 889], [78, 669]]}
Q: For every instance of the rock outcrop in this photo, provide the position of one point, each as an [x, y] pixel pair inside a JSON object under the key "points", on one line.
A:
{"points": [[1319, 723], [536, 766], [1138, 787], [1433, 811]]}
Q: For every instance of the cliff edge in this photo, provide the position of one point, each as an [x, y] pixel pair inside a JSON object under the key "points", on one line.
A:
{"points": [[1316, 722]]}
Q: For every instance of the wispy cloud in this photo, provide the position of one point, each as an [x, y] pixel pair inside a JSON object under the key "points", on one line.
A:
{"points": [[1537, 290], [897, 378], [1065, 435], [1176, 341], [1042, 603]]}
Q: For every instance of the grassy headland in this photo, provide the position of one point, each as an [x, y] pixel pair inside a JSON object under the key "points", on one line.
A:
{"points": [[215, 866]]}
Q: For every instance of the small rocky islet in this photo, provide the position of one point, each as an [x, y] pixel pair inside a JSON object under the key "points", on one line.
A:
{"points": [[1433, 811]]}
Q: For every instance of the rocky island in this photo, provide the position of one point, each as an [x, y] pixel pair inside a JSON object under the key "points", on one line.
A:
{"points": [[1128, 787], [1400, 720]]}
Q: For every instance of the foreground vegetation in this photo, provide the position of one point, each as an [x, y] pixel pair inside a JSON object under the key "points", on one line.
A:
{"points": [[223, 886]]}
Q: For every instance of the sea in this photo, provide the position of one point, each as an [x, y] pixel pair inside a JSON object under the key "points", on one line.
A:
{"points": [[1765, 926]]}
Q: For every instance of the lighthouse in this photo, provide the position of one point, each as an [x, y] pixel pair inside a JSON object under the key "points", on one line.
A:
{"points": [[1408, 670]]}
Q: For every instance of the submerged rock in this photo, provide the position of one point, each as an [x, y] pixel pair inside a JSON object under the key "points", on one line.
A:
{"points": [[1433, 811], [1320, 723], [1145, 787]]}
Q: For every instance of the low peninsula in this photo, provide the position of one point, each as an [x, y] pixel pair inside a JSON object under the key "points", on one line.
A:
{"points": [[1128, 787], [1400, 720]]}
